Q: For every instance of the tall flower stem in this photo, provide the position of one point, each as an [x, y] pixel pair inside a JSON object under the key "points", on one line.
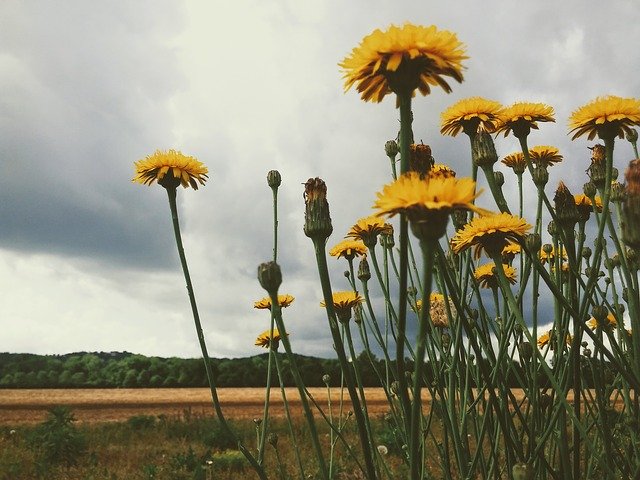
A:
{"points": [[428, 254], [327, 294], [405, 138], [203, 346]]}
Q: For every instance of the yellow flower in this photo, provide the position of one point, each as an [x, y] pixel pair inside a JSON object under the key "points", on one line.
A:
{"points": [[548, 338], [265, 340], [551, 256], [544, 155], [348, 249], [368, 228], [343, 302], [585, 206], [403, 59], [484, 275], [521, 117], [470, 115], [265, 303], [511, 249], [490, 233], [183, 169], [609, 323], [608, 116], [417, 197], [516, 162]]}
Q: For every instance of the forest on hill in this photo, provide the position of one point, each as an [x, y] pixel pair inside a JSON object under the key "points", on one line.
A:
{"points": [[128, 370]]}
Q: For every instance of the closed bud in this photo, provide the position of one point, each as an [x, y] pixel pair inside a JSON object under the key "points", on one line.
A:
{"points": [[632, 258], [274, 179], [391, 149], [615, 261], [525, 350], [600, 313], [499, 178], [270, 277], [547, 248], [631, 206], [589, 189], [586, 253], [614, 173], [620, 309], [364, 274], [597, 173], [317, 219], [412, 292], [597, 153], [273, 439], [566, 211], [483, 150], [420, 159], [346, 274], [540, 176], [586, 352], [632, 135], [459, 218], [552, 228], [618, 193], [446, 340], [532, 242]]}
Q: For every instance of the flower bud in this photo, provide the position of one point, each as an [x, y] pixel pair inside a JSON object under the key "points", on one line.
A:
{"points": [[326, 379], [586, 253], [586, 352], [274, 179], [499, 178], [317, 224], [552, 228], [614, 173], [459, 218], [532, 241], [273, 439], [483, 150], [547, 248], [597, 173], [618, 193], [446, 340], [632, 135], [386, 237], [540, 176], [346, 274], [566, 211], [364, 274], [391, 149], [270, 277], [589, 189], [420, 159], [597, 153], [600, 313], [525, 350]]}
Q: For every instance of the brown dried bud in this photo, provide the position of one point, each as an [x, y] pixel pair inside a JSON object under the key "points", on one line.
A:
{"points": [[420, 159], [566, 211], [631, 206], [317, 219], [618, 192], [270, 277], [364, 273], [597, 153], [483, 150], [391, 149], [459, 217], [499, 178]]}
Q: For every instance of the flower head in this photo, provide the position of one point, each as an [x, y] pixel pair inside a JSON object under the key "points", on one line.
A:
{"points": [[367, 229], [437, 309], [470, 115], [427, 202], [509, 252], [550, 256], [544, 155], [343, 302], [486, 278], [403, 59], [521, 117], [283, 300], [491, 233], [515, 161], [266, 340], [440, 170], [183, 169], [348, 249], [609, 322], [606, 117], [549, 338]]}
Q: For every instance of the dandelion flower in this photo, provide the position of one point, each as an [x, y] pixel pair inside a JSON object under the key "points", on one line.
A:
{"points": [[368, 228], [516, 162], [490, 233], [343, 302], [266, 340], [348, 249], [470, 115], [544, 155], [549, 338], [551, 255], [521, 117], [606, 117], [486, 278], [609, 323], [403, 59], [183, 169], [283, 300]]}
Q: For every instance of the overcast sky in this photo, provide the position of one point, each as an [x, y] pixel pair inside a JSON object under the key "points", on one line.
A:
{"points": [[87, 259]]}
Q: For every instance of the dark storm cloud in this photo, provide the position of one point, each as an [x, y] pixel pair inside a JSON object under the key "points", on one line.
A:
{"points": [[86, 90]]}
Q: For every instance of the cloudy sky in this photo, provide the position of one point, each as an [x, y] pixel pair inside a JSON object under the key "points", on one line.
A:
{"points": [[87, 259]]}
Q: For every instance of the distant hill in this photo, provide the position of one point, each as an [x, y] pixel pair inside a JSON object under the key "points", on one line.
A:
{"points": [[129, 370]]}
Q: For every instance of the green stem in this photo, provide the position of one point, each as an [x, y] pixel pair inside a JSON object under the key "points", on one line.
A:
{"points": [[203, 346]]}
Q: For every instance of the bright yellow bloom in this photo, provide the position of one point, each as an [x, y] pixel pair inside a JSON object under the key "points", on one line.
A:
{"points": [[523, 116], [551, 256], [184, 170], [490, 233], [544, 155], [511, 249], [485, 277], [368, 228], [418, 197], [547, 337], [608, 116], [470, 115], [343, 302], [348, 249], [283, 300], [584, 202], [515, 161], [609, 323], [403, 59], [265, 339]]}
